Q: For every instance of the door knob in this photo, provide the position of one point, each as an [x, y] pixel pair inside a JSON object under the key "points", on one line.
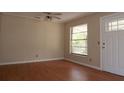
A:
{"points": [[103, 43]]}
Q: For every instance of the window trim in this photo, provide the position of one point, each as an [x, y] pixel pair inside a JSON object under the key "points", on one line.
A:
{"points": [[70, 41]]}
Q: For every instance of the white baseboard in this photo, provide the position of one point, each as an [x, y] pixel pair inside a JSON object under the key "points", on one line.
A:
{"points": [[44, 60], [84, 64], [30, 61]]}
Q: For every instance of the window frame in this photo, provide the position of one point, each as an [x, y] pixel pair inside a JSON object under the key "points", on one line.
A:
{"points": [[70, 41]]}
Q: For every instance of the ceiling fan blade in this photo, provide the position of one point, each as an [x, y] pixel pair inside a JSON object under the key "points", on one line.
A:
{"points": [[48, 16], [56, 17], [57, 13], [37, 17]]}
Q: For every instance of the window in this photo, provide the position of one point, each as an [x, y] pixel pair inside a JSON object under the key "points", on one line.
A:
{"points": [[78, 39], [115, 25]]}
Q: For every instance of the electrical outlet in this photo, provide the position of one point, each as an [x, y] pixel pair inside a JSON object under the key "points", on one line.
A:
{"points": [[90, 59], [36, 55]]}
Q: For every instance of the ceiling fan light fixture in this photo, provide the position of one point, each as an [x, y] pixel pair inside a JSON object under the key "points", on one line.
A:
{"points": [[48, 18]]}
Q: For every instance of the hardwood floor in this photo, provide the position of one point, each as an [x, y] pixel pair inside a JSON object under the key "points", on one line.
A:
{"points": [[54, 71]]}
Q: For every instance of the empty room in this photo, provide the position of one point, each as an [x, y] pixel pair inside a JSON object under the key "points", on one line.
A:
{"points": [[61, 46]]}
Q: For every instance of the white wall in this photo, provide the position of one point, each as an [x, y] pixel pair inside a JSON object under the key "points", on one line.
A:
{"points": [[22, 39]]}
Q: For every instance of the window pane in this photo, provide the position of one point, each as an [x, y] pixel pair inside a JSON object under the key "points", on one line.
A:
{"points": [[76, 50], [79, 39], [80, 43], [79, 35], [75, 30], [79, 50], [80, 28], [84, 51]]}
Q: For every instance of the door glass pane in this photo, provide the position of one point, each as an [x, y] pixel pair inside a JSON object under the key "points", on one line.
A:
{"points": [[109, 28], [109, 24], [121, 22], [114, 23], [114, 28], [121, 27]]}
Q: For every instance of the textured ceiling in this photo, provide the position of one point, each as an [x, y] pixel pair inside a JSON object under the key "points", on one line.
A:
{"points": [[65, 17]]}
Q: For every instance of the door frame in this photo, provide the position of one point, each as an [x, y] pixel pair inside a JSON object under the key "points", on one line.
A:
{"points": [[101, 30]]}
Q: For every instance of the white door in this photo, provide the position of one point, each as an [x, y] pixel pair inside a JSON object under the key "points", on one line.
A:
{"points": [[112, 43]]}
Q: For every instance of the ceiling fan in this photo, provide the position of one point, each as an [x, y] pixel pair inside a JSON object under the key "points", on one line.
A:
{"points": [[49, 16]]}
